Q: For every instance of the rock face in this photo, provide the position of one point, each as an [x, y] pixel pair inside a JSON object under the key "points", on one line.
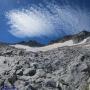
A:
{"points": [[65, 68], [77, 38]]}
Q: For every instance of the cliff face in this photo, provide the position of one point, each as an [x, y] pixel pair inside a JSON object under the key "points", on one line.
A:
{"points": [[63, 68]]}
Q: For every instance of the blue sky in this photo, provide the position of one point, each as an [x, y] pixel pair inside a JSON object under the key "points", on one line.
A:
{"points": [[45, 23]]}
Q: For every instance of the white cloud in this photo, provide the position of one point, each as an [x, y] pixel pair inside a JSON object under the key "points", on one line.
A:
{"points": [[38, 21], [28, 23]]}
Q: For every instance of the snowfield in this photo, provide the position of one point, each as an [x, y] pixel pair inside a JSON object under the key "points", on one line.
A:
{"points": [[49, 47]]}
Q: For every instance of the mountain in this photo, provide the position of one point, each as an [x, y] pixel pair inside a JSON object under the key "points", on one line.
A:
{"points": [[80, 36], [72, 40], [77, 38], [31, 43]]}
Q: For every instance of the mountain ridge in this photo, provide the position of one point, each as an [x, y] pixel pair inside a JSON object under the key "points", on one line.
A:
{"points": [[77, 38]]}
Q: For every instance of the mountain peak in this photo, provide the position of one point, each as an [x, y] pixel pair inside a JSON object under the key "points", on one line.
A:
{"points": [[76, 37], [80, 36]]}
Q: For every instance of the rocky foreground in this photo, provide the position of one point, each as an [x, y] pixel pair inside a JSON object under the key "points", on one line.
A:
{"points": [[64, 68]]}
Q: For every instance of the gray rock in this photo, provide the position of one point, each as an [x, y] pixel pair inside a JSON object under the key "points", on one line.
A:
{"points": [[19, 72]]}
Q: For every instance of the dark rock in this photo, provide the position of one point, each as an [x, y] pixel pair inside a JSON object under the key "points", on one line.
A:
{"points": [[29, 72], [5, 62], [12, 79], [50, 83], [18, 67], [19, 72], [2, 82], [31, 88]]}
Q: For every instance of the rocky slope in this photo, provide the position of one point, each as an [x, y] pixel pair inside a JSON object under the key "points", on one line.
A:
{"points": [[77, 38], [63, 68]]}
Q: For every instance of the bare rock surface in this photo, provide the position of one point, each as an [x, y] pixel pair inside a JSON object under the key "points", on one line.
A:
{"points": [[64, 68]]}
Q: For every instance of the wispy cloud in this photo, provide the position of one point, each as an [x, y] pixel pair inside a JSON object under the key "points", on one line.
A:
{"points": [[29, 23], [49, 20]]}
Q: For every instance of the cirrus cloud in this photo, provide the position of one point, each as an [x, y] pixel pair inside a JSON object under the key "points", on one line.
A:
{"points": [[27, 23], [51, 20]]}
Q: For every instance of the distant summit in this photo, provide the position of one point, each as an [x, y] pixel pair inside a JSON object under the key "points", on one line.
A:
{"points": [[80, 36], [77, 38], [31, 43]]}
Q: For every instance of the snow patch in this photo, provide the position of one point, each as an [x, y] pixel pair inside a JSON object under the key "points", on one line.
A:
{"points": [[49, 47]]}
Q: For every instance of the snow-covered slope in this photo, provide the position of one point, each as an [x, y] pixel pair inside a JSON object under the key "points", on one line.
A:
{"points": [[49, 47]]}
